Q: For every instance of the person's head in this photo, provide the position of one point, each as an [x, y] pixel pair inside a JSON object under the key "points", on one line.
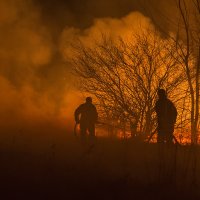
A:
{"points": [[162, 94], [88, 100]]}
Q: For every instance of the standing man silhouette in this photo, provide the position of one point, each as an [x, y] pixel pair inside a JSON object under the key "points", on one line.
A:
{"points": [[166, 117], [86, 114]]}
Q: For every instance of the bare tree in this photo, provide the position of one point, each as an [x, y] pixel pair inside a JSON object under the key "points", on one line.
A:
{"points": [[125, 76], [188, 48]]}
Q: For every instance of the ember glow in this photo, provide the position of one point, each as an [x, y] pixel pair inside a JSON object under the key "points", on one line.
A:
{"points": [[35, 76]]}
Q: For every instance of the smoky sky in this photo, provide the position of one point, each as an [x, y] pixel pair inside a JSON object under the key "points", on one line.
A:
{"points": [[81, 13], [35, 79]]}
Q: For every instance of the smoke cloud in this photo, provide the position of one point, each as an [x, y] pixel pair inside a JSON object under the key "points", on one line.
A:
{"points": [[112, 27], [35, 80]]}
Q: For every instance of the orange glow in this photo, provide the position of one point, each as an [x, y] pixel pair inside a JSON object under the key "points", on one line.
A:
{"points": [[36, 83]]}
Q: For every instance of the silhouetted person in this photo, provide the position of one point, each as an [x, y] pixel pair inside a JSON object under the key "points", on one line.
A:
{"points": [[166, 116], [86, 114]]}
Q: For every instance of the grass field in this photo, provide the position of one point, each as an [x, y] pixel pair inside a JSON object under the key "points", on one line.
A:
{"points": [[53, 164]]}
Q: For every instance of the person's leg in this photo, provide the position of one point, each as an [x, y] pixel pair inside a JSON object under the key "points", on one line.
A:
{"points": [[92, 139], [169, 135], [83, 129], [169, 138], [160, 138], [91, 129]]}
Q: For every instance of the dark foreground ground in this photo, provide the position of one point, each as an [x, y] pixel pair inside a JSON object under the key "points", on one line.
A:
{"points": [[52, 165]]}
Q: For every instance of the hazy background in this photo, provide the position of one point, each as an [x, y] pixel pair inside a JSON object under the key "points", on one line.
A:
{"points": [[36, 83]]}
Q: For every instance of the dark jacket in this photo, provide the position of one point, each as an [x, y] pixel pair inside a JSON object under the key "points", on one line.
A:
{"points": [[166, 113], [86, 113]]}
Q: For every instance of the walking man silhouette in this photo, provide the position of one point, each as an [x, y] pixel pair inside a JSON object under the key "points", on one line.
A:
{"points": [[166, 117], [86, 114]]}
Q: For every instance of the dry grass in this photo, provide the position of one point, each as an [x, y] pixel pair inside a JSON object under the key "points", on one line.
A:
{"points": [[54, 165]]}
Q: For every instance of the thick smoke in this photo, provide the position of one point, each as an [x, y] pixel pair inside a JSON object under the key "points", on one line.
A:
{"points": [[124, 27], [35, 80]]}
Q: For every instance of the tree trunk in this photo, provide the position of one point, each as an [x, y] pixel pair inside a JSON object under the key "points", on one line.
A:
{"points": [[197, 94]]}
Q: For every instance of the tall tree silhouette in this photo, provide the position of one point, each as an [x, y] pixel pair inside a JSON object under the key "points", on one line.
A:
{"points": [[125, 75]]}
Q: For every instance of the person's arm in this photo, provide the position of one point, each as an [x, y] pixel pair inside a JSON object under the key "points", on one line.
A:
{"points": [[77, 113], [158, 111], [172, 112]]}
